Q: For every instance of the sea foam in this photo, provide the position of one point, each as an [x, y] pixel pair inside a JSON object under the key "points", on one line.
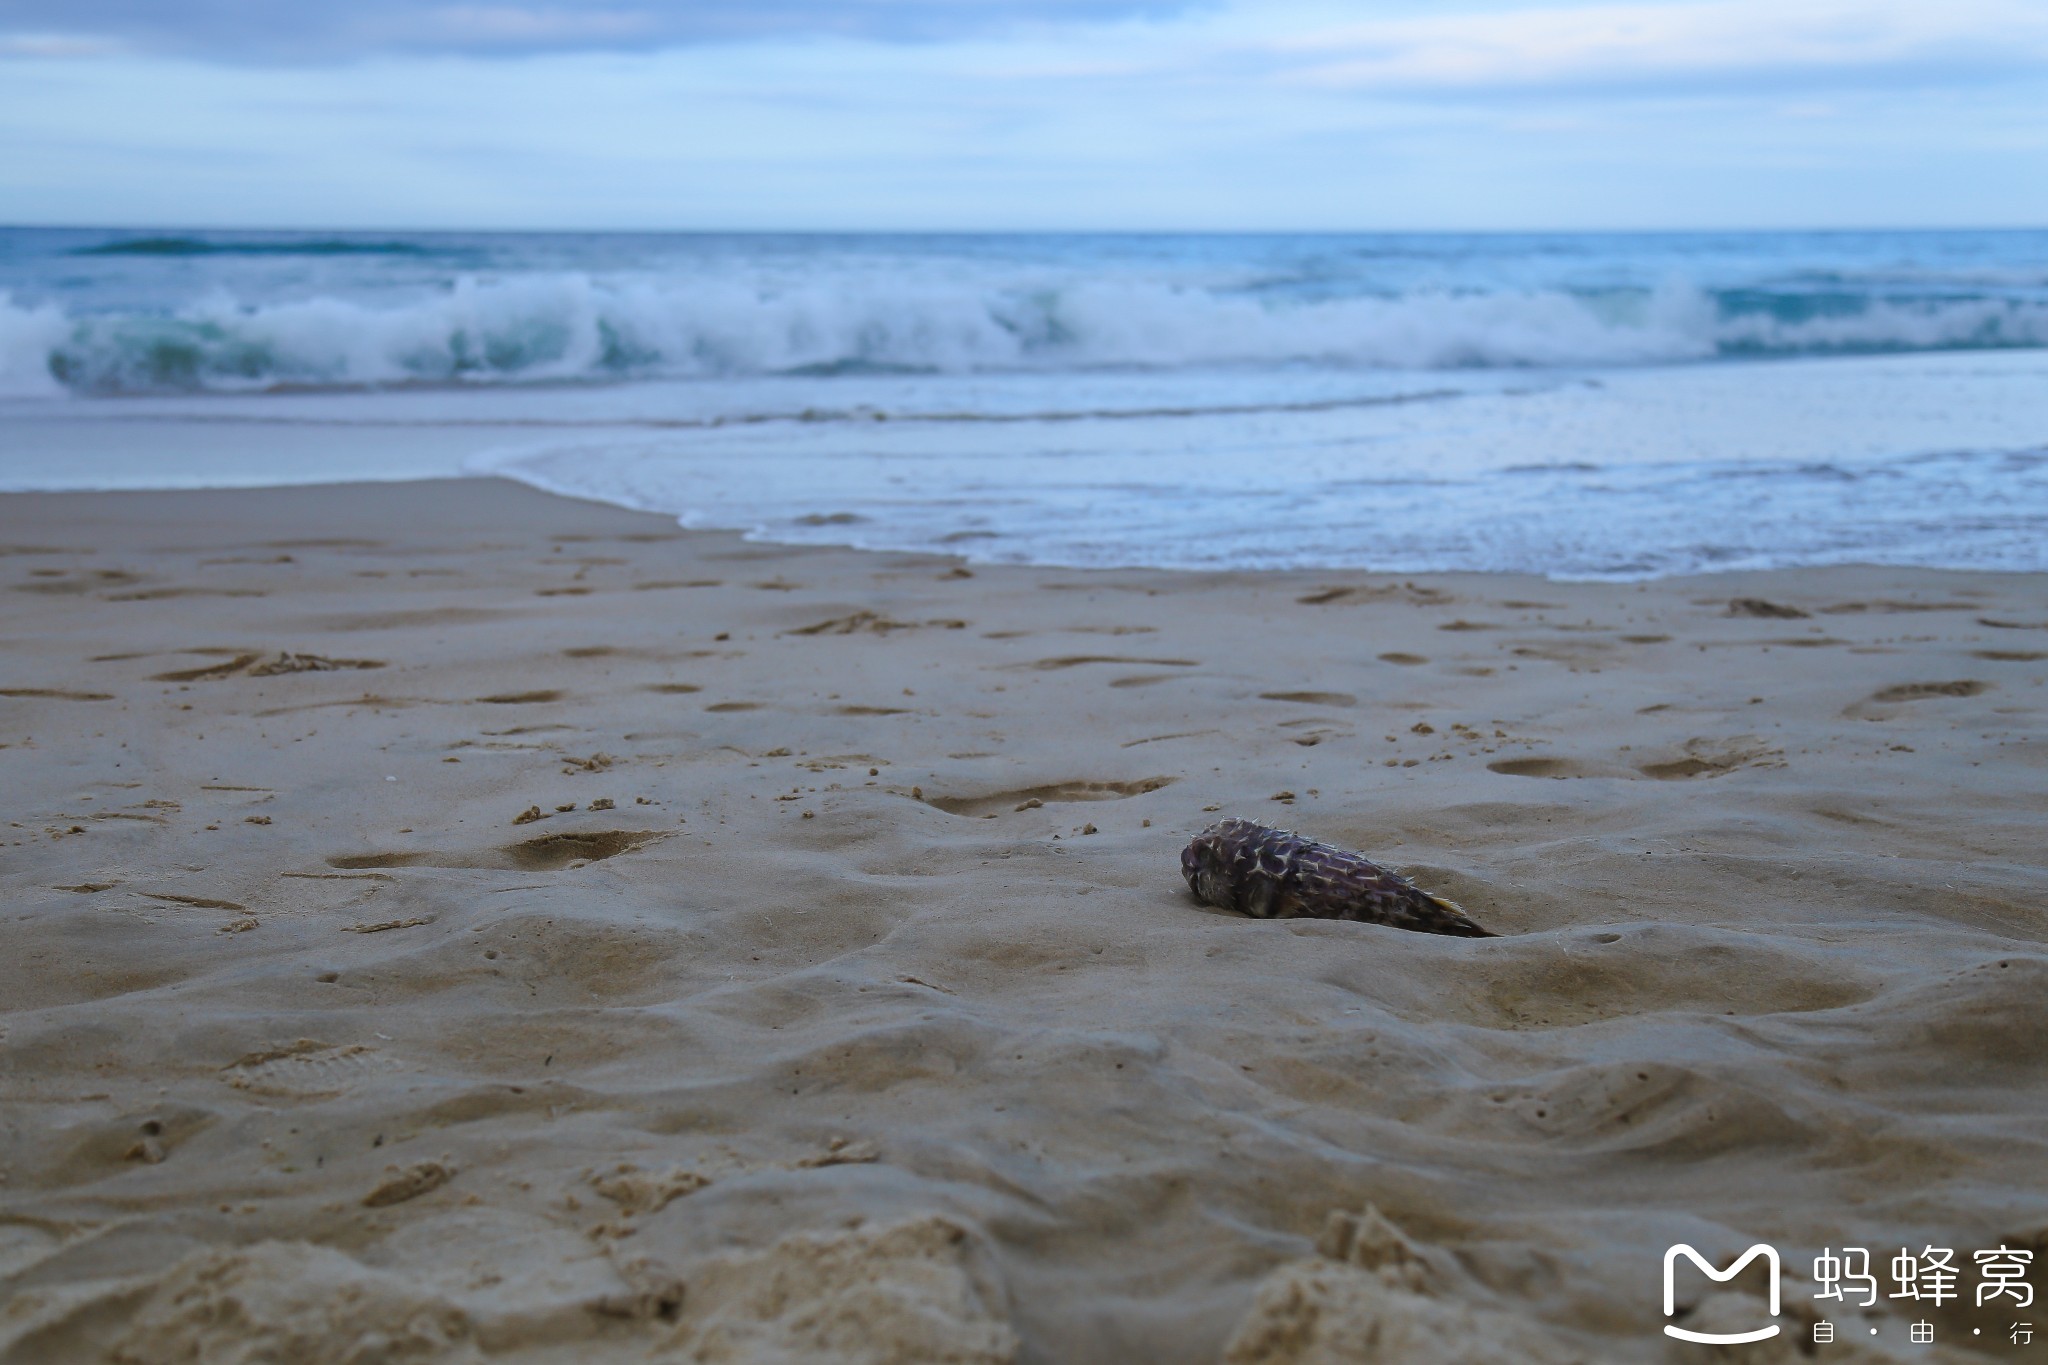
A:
{"points": [[548, 327], [29, 337]]}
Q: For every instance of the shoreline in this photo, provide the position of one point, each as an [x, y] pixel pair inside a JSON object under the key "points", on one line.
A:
{"points": [[1595, 475], [877, 969], [432, 485]]}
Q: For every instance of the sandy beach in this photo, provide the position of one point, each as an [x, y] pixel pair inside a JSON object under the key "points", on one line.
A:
{"points": [[447, 923]]}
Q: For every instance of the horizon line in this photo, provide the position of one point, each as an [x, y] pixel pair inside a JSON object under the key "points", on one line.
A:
{"points": [[758, 231]]}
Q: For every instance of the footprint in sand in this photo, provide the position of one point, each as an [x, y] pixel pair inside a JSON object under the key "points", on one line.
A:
{"points": [[1769, 611], [1421, 597], [1076, 660], [1537, 767], [1029, 798], [308, 1070], [870, 623], [1714, 758], [1968, 687], [1576, 653], [554, 851], [861, 621], [546, 853], [55, 694], [1678, 769], [257, 666], [1314, 731], [1877, 705], [166, 594], [1405, 660], [1313, 698], [207, 672]]}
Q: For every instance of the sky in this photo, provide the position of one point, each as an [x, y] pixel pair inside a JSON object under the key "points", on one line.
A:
{"points": [[1025, 114]]}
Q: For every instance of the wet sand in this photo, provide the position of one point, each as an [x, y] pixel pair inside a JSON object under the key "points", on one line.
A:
{"points": [[448, 923]]}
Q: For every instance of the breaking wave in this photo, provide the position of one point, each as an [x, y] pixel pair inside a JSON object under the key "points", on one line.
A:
{"points": [[569, 326]]}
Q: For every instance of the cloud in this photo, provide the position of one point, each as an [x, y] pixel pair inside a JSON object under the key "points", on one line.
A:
{"points": [[266, 31], [54, 45], [1700, 42], [1072, 113], [1403, 48]]}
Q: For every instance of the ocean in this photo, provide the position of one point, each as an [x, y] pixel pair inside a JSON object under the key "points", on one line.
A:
{"points": [[1579, 405]]}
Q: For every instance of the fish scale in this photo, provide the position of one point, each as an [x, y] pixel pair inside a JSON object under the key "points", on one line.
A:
{"points": [[1269, 873]]}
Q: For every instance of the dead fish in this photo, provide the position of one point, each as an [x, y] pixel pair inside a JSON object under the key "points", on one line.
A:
{"points": [[1277, 874]]}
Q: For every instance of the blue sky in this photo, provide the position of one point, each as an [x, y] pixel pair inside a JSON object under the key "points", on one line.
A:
{"points": [[944, 114]]}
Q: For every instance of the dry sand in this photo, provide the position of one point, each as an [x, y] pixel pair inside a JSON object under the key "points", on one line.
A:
{"points": [[844, 1002]]}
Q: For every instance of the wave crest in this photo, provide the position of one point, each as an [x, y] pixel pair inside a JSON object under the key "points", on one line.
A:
{"points": [[570, 326]]}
